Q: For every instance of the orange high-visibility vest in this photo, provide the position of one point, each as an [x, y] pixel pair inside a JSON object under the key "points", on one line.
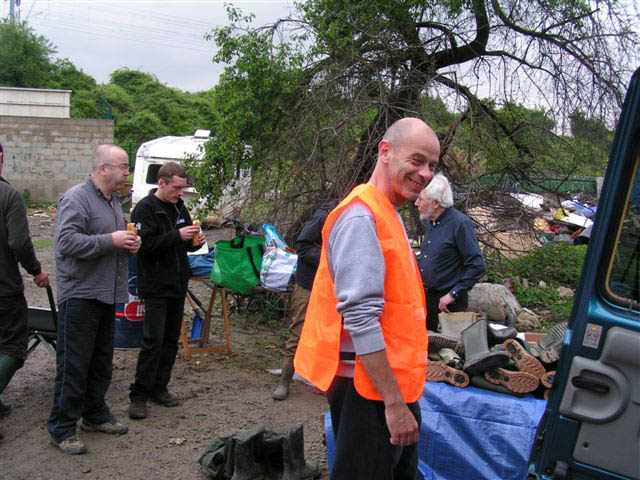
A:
{"points": [[403, 316]]}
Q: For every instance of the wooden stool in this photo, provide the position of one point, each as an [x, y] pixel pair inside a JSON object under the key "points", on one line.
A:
{"points": [[193, 346]]}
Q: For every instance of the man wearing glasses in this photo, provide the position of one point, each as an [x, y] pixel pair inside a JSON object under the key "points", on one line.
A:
{"points": [[91, 250]]}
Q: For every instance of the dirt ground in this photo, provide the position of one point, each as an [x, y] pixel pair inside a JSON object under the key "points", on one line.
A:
{"points": [[220, 395]]}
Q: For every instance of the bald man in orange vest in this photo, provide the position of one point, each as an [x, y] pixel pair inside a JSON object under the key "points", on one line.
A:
{"points": [[364, 339]]}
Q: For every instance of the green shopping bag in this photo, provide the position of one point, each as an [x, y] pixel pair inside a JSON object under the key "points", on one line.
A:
{"points": [[237, 263]]}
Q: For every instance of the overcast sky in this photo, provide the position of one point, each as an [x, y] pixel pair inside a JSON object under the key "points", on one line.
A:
{"points": [[164, 38]]}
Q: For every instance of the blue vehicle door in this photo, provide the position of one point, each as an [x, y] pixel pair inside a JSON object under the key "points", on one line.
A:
{"points": [[591, 427]]}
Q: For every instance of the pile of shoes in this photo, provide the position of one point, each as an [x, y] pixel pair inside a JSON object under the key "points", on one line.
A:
{"points": [[493, 357], [259, 454]]}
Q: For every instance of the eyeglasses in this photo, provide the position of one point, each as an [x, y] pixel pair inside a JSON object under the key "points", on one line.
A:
{"points": [[121, 166]]}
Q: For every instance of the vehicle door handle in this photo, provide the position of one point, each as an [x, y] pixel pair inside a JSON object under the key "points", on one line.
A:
{"points": [[589, 384]]}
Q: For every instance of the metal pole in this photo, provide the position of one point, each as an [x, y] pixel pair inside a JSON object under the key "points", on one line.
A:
{"points": [[12, 11]]}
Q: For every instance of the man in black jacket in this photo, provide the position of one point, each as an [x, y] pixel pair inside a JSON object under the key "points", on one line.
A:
{"points": [[15, 247], [167, 233], [308, 247]]}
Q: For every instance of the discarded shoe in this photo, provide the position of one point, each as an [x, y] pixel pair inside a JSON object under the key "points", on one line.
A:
{"points": [[4, 409], [523, 360], [547, 378], [71, 446], [497, 335], [519, 382], [481, 382], [282, 390], [166, 399], [549, 348], [112, 427], [138, 410], [478, 358], [438, 341], [441, 372], [295, 465]]}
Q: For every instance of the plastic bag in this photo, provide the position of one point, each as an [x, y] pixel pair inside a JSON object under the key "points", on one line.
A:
{"points": [[237, 263], [272, 237], [278, 269]]}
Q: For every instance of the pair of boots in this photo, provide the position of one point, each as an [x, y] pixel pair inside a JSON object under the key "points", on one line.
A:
{"points": [[282, 390], [259, 454], [8, 366]]}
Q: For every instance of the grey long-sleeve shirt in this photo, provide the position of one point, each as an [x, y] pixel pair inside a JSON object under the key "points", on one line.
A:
{"points": [[87, 263], [15, 244], [357, 267]]}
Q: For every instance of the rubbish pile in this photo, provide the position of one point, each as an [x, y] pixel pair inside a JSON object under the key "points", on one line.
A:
{"points": [[473, 351]]}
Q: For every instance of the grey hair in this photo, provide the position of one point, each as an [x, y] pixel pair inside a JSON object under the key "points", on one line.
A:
{"points": [[439, 189], [102, 154]]}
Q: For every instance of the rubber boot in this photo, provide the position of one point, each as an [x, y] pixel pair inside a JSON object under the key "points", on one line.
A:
{"points": [[272, 454], [481, 382], [8, 366], [295, 466], [549, 348], [500, 335], [441, 372], [282, 390], [452, 324], [478, 357], [247, 455], [525, 362], [440, 340]]}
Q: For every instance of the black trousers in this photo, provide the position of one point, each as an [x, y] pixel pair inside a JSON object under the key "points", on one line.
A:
{"points": [[14, 334], [433, 306], [160, 334], [362, 438], [84, 359]]}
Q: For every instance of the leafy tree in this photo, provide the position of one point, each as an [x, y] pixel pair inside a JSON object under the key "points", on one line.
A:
{"points": [[306, 99], [25, 57]]}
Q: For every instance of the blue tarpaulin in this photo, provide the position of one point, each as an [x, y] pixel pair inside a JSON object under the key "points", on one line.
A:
{"points": [[471, 433]]}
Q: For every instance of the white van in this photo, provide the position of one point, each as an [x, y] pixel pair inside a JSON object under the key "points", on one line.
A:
{"points": [[155, 153]]}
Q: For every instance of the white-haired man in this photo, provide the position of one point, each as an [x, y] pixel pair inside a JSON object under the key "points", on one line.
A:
{"points": [[450, 258]]}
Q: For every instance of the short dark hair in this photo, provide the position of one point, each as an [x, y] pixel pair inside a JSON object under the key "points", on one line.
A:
{"points": [[170, 169]]}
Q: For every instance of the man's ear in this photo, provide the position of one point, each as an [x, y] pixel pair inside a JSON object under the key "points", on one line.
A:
{"points": [[384, 151]]}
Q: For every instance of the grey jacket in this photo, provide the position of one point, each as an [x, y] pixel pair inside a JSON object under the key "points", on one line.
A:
{"points": [[87, 264], [15, 244]]}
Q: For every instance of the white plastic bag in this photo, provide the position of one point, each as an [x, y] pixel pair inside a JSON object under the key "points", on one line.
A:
{"points": [[278, 269]]}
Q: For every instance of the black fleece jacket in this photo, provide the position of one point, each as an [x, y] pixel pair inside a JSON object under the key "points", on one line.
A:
{"points": [[163, 267]]}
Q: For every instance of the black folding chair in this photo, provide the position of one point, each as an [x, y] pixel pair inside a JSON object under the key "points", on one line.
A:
{"points": [[42, 324]]}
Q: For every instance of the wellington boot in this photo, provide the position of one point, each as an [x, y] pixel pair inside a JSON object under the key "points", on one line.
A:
{"points": [[282, 390], [8, 366], [440, 372], [549, 348], [481, 382], [272, 454], [518, 382], [525, 362], [478, 357], [452, 324], [497, 335], [295, 466], [247, 455], [440, 340], [547, 379]]}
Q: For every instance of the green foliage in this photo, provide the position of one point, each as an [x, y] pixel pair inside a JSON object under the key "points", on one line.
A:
{"points": [[25, 57], [26, 197]]}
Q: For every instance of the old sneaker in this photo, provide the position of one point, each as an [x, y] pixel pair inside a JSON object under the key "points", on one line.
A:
{"points": [[71, 446], [166, 399], [138, 409], [112, 427]]}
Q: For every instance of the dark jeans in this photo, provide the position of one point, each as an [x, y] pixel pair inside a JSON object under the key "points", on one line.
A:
{"points": [[362, 438], [14, 334], [161, 331], [84, 356], [433, 306]]}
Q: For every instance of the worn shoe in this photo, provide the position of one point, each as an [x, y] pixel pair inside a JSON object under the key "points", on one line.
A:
{"points": [[4, 409], [519, 382], [524, 361], [138, 410], [166, 399], [112, 427], [71, 446], [441, 372], [547, 378], [438, 341]]}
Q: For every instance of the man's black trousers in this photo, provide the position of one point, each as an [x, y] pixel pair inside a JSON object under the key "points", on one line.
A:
{"points": [[161, 331], [433, 306], [363, 448], [84, 358]]}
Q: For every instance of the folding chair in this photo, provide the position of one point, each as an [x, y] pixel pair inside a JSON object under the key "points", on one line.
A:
{"points": [[43, 326]]}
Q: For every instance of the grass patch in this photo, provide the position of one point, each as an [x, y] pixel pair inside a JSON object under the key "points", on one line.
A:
{"points": [[43, 243]]}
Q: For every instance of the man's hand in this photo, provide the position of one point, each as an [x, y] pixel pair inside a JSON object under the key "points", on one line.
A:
{"points": [[41, 280], [187, 233], [445, 302], [402, 425], [126, 240], [201, 239]]}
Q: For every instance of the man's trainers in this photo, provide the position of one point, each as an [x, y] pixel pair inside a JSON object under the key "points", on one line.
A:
{"points": [[138, 410], [166, 399], [112, 427], [71, 446]]}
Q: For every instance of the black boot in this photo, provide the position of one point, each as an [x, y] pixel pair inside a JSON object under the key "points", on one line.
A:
{"points": [[282, 390], [295, 466], [8, 366], [500, 335], [478, 358], [247, 454]]}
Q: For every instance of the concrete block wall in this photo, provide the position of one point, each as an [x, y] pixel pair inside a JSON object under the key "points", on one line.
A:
{"points": [[49, 155]]}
